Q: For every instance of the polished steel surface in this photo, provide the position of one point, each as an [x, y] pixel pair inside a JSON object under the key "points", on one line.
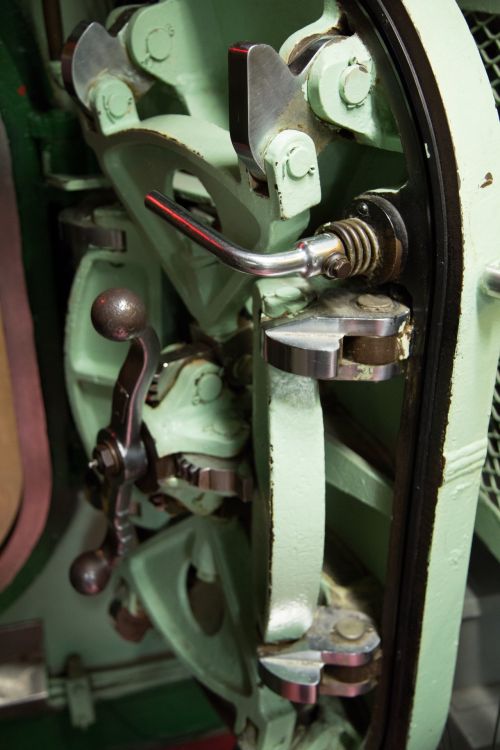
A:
{"points": [[310, 343], [337, 637], [231, 477], [266, 97], [307, 258], [23, 677], [91, 51]]}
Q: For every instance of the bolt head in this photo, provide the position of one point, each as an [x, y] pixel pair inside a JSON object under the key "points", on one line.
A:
{"points": [[299, 162], [375, 302], [159, 44], [355, 84], [363, 209], [106, 459], [243, 369], [118, 104], [209, 387], [350, 628], [337, 266]]}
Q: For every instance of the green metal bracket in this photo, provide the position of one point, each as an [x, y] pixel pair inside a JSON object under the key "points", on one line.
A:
{"points": [[219, 649], [289, 516]]}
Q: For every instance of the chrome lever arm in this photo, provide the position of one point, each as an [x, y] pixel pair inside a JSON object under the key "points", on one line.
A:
{"points": [[313, 256], [119, 455]]}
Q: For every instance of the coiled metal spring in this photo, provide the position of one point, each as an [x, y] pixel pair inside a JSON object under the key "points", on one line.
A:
{"points": [[360, 243]]}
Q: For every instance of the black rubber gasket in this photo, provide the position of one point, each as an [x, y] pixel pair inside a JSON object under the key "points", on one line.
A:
{"points": [[431, 208]]}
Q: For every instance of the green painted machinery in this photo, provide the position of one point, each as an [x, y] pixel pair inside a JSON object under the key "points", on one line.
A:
{"points": [[274, 226]]}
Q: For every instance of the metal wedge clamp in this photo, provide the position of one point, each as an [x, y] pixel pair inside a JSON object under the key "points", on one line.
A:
{"points": [[344, 335], [337, 656], [370, 242], [119, 455]]}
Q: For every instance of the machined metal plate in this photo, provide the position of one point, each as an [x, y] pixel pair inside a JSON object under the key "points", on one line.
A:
{"points": [[23, 678], [91, 51], [310, 343]]}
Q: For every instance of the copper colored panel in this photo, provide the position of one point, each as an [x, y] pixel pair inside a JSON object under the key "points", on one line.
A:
{"points": [[10, 457], [25, 382]]}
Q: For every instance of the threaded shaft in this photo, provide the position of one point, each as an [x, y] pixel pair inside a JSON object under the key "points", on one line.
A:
{"points": [[360, 244]]}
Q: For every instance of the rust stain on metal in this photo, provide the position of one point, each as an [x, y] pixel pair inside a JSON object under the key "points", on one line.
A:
{"points": [[488, 180]]}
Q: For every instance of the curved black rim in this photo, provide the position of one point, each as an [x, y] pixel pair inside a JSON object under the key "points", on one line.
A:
{"points": [[434, 279]]}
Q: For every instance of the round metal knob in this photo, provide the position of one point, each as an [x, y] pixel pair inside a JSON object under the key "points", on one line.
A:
{"points": [[90, 572], [119, 315]]}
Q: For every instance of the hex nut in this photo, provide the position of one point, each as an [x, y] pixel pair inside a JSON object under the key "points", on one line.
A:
{"points": [[337, 266], [107, 460]]}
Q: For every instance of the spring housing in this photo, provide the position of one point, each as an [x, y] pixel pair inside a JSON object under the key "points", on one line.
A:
{"points": [[360, 242]]}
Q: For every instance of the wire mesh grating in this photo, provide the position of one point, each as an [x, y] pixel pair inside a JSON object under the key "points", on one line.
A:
{"points": [[485, 28]]}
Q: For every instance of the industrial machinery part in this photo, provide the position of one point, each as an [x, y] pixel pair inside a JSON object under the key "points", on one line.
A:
{"points": [[254, 118], [91, 49], [310, 343], [283, 501], [226, 476], [336, 638], [25, 448], [170, 364], [119, 455], [491, 280], [338, 250]]}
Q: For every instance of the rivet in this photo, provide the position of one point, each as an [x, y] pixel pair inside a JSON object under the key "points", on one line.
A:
{"points": [[375, 302], [350, 628]]}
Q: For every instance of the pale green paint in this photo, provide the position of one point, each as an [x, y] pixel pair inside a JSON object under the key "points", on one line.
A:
{"points": [[476, 139], [179, 59], [140, 160], [488, 524], [92, 362], [145, 158], [72, 623], [184, 423], [348, 472], [292, 172], [331, 730], [113, 104], [328, 19], [289, 515], [371, 121], [196, 39], [358, 505], [224, 661]]}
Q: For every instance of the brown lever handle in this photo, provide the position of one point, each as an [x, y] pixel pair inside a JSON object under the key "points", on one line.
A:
{"points": [[119, 455]]}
